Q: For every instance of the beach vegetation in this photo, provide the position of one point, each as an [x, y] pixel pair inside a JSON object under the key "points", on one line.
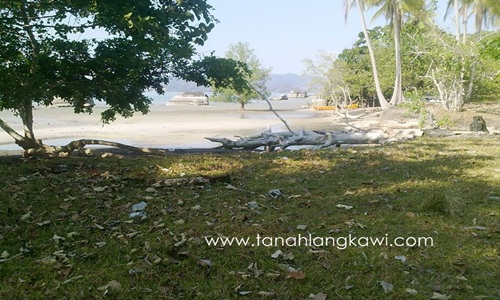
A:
{"points": [[427, 58], [82, 51], [139, 227], [361, 8], [257, 77]]}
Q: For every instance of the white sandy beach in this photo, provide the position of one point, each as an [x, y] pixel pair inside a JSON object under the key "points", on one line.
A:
{"points": [[169, 126]]}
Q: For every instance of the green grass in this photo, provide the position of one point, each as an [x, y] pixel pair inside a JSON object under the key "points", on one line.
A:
{"points": [[423, 188]]}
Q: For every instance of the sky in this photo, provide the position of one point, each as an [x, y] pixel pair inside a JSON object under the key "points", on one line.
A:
{"points": [[283, 33]]}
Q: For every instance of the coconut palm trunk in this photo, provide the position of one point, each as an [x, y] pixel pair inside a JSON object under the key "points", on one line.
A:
{"points": [[382, 100], [457, 20], [397, 95]]}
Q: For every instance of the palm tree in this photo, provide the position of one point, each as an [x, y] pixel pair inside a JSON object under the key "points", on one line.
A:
{"points": [[394, 10], [482, 16], [485, 12], [359, 4]]}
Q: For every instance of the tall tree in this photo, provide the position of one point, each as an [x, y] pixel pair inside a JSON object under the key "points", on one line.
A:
{"points": [[394, 11], [485, 12], [360, 5], [358, 74], [257, 78], [147, 43]]}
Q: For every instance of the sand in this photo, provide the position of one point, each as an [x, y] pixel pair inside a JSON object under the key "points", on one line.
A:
{"points": [[185, 126], [170, 126]]}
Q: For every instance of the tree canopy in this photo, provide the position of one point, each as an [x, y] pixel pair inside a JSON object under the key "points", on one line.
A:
{"points": [[430, 62], [49, 49], [257, 77]]}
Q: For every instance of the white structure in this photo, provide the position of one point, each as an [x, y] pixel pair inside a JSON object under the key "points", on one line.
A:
{"points": [[192, 98]]}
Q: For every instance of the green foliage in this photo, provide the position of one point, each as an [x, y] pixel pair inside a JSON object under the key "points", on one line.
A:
{"points": [[220, 73], [255, 74], [358, 72], [415, 105], [43, 54], [490, 47], [444, 122], [450, 65], [357, 68], [326, 75], [414, 102], [487, 85]]}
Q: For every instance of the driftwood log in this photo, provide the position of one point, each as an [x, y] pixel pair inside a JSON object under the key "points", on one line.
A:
{"points": [[322, 139]]}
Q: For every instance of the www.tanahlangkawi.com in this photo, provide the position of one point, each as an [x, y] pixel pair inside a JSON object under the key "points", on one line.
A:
{"points": [[340, 242]]}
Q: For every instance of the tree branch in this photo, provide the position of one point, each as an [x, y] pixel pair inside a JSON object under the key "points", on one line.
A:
{"points": [[272, 109], [27, 28], [10, 131]]}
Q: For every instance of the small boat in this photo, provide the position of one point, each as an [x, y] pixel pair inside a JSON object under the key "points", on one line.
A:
{"points": [[297, 94], [324, 107], [59, 102], [331, 107], [280, 97], [190, 98]]}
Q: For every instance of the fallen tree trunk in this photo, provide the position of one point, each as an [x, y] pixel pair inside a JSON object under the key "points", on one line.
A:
{"points": [[268, 140], [322, 139]]}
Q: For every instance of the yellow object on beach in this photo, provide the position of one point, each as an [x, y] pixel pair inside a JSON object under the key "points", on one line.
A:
{"points": [[330, 107]]}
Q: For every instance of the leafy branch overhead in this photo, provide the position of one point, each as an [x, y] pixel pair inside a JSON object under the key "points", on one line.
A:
{"points": [[220, 73], [257, 77], [50, 50]]}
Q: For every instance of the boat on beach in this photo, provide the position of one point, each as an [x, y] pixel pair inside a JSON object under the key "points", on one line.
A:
{"points": [[280, 97], [323, 104], [190, 98], [331, 107], [297, 94], [59, 102]]}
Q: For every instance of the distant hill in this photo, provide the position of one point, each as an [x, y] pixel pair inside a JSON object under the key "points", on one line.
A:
{"points": [[278, 83], [284, 83], [177, 85]]}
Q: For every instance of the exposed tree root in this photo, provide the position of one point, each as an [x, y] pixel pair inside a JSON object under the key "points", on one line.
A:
{"points": [[78, 147]]}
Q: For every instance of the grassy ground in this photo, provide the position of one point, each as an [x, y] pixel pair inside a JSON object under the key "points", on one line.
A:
{"points": [[65, 230]]}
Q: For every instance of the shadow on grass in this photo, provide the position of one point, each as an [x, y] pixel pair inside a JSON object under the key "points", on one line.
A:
{"points": [[442, 189]]}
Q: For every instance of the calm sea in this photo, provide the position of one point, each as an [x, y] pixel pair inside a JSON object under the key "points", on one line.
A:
{"points": [[162, 99]]}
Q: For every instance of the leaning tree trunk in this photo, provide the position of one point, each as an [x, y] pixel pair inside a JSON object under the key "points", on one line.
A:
{"points": [[28, 141], [20, 140], [397, 96], [383, 102]]}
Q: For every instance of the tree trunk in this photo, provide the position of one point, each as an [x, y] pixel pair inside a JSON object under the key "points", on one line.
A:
{"points": [[464, 21], [20, 140], [468, 96], [479, 28], [397, 96], [26, 114], [383, 102], [284, 140], [457, 20]]}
